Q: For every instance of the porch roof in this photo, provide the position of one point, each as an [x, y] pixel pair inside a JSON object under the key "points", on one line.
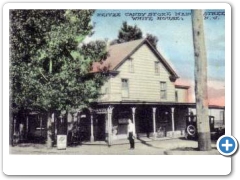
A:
{"points": [[132, 102], [154, 103]]}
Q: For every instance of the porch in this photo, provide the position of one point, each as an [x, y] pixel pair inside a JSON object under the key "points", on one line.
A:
{"points": [[107, 123]]}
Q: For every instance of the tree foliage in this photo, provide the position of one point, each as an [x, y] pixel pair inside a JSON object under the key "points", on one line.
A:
{"points": [[152, 39], [47, 72], [96, 50], [130, 33]]}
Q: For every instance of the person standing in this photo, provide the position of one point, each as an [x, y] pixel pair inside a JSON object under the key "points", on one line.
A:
{"points": [[131, 134]]}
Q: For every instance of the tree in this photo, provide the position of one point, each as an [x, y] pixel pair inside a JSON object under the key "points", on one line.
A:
{"points": [[129, 33], [47, 72], [95, 50], [204, 139], [152, 39]]}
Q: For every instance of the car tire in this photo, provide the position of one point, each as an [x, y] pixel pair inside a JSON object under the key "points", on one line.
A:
{"points": [[191, 130]]}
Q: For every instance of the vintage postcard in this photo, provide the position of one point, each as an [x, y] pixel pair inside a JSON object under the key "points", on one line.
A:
{"points": [[140, 79]]}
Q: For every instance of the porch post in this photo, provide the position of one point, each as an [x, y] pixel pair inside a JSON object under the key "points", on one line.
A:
{"points": [[55, 124], [173, 125], [14, 126], [154, 122], [52, 124], [92, 136], [53, 118], [26, 135], [133, 116], [110, 109], [41, 126]]}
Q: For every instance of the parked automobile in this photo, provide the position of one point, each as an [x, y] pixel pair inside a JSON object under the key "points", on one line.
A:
{"points": [[191, 128]]}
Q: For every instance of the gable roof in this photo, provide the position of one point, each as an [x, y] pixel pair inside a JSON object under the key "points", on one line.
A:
{"points": [[119, 53]]}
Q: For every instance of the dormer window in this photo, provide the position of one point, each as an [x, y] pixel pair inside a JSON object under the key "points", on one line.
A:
{"points": [[130, 64]]}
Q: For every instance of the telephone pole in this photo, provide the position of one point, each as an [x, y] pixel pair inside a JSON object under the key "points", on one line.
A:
{"points": [[200, 73]]}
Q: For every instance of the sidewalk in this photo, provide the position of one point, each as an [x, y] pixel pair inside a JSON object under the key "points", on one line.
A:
{"points": [[143, 146]]}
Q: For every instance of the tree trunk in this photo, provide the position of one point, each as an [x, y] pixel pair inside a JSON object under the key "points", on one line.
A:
{"points": [[11, 132], [49, 130], [204, 139], [50, 66]]}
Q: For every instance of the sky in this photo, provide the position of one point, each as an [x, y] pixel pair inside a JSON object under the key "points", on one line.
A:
{"points": [[174, 31]]}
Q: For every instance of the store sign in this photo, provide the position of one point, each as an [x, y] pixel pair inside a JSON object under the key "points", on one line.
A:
{"points": [[83, 116], [101, 111], [61, 142]]}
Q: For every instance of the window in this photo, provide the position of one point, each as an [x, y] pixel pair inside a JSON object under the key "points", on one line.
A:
{"points": [[163, 90], [176, 96], [157, 67], [131, 67], [222, 118], [125, 88]]}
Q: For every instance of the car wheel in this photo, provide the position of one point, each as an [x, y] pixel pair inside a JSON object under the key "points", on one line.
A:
{"points": [[191, 130]]}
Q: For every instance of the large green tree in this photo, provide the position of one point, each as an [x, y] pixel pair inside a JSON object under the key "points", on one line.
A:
{"points": [[95, 50], [130, 33], [47, 72]]}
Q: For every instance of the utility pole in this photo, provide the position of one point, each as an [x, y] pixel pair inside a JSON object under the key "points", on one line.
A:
{"points": [[200, 73]]}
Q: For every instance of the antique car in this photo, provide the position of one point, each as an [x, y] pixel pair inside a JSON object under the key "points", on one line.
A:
{"points": [[191, 128]]}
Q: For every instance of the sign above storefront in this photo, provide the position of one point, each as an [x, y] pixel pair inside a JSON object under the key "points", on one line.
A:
{"points": [[101, 111], [83, 116]]}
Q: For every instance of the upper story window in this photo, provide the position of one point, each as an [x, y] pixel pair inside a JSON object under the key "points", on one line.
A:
{"points": [[176, 96], [222, 118], [157, 67], [125, 88], [163, 90], [131, 65]]}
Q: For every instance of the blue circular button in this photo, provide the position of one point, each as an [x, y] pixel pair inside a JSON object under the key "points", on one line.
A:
{"points": [[227, 145]]}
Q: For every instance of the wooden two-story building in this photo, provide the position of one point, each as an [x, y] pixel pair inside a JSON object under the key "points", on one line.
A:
{"points": [[141, 86]]}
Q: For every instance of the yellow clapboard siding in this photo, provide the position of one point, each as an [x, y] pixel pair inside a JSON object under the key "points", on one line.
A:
{"points": [[144, 83]]}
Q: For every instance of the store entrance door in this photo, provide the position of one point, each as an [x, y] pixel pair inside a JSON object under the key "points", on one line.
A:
{"points": [[99, 127]]}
